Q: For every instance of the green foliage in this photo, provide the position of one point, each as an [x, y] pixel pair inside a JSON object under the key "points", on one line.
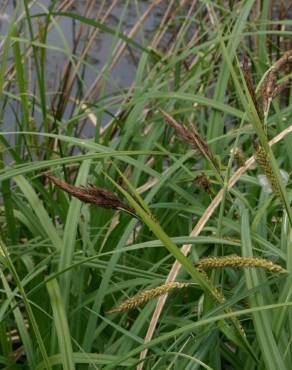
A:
{"points": [[64, 264]]}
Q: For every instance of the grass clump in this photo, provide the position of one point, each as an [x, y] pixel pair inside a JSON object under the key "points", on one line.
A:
{"points": [[114, 182]]}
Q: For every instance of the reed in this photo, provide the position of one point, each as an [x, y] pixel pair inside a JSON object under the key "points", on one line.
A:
{"points": [[145, 109]]}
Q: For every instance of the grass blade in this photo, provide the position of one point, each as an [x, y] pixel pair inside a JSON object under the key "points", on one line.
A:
{"points": [[273, 359], [61, 325]]}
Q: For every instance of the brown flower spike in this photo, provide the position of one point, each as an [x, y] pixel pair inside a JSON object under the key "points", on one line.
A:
{"points": [[92, 194], [191, 136], [270, 88], [250, 86]]}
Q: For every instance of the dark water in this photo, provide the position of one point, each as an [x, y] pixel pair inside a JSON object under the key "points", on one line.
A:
{"points": [[62, 35], [100, 51]]}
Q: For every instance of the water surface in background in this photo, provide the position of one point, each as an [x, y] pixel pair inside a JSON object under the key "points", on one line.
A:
{"points": [[62, 35]]}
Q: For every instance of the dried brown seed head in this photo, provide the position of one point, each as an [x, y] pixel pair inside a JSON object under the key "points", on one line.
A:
{"points": [[204, 181], [92, 194], [191, 136], [250, 86]]}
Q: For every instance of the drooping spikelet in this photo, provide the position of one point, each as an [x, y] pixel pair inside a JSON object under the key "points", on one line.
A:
{"points": [[250, 86], [216, 293], [263, 161], [191, 136], [233, 261], [270, 88], [238, 262], [218, 296], [146, 295], [92, 194]]}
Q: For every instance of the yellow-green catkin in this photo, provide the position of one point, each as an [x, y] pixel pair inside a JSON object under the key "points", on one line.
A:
{"points": [[263, 161], [146, 295], [238, 262]]}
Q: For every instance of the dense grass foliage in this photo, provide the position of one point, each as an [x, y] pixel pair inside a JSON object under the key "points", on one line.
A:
{"points": [[190, 159]]}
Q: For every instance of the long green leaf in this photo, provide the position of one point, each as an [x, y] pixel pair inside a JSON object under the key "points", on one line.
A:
{"points": [[273, 359], [38, 208], [61, 325]]}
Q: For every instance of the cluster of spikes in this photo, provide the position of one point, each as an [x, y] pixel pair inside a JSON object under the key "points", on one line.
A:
{"points": [[270, 88], [202, 265], [106, 199]]}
